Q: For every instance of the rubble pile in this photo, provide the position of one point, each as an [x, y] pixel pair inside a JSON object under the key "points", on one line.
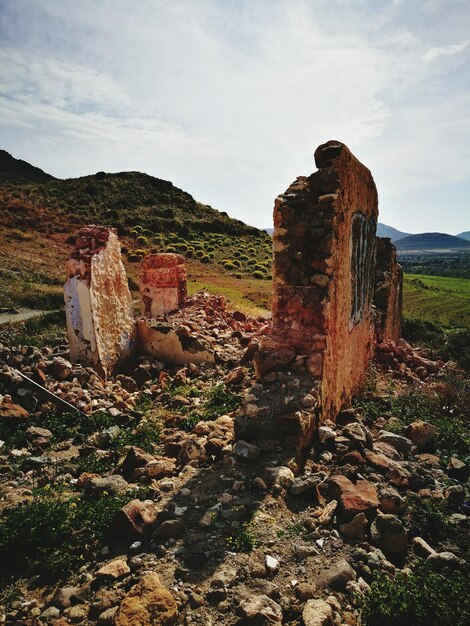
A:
{"points": [[216, 530]]}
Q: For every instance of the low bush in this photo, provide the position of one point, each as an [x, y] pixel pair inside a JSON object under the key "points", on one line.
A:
{"points": [[53, 533], [423, 598]]}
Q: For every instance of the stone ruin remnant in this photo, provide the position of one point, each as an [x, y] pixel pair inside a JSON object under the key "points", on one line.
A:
{"points": [[98, 303], [323, 275], [322, 337], [162, 283], [388, 296]]}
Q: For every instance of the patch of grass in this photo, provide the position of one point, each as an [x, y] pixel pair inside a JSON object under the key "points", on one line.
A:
{"points": [[146, 436], [425, 598], [243, 540], [428, 519], [217, 401], [53, 533]]}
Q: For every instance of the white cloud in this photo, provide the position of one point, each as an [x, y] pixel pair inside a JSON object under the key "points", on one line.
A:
{"points": [[230, 99], [444, 51]]}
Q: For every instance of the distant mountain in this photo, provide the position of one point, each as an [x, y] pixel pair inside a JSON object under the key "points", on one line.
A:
{"points": [[464, 235], [20, 172], [431, 241], [382, 231], [388, 231]]}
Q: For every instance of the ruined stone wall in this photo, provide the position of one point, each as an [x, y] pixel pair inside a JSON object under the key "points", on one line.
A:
{"points": [[162, 283], [98, 303], [388, 295], [323, 275]]}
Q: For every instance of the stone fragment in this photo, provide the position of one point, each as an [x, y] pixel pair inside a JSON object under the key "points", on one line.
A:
{"points": [[246, 451], [356, 528], [134, 521], [359, 434], [281, 475], [422, 434], [98, 303], [422, 548], [260, 611], [148, 603], [325, 433], [391, 501], [308, 483], [440, 561], [337, 575], [458, 469], [402, 444], [11, 412], [170, 528], [317, 613], [353, 498], [388, 533], [174, 345], [162, 283], [114, 569], [327, 514]]}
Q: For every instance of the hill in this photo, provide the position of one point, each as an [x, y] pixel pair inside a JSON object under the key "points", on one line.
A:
{"points": [[38, 219], [388, 231], [464, 235], [19, 172], [431, 241]]}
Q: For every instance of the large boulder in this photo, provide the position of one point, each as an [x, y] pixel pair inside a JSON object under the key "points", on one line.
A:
{"points": [[149, 603]]}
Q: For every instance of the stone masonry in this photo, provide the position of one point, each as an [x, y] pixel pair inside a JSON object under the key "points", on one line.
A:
{"points": [[98, 303], [162, 284], [323, 269], [322, 338], [388, 296]]}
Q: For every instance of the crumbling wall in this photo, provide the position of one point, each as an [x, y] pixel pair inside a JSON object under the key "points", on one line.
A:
{"points": [[162, 284], [98, 303], [323, 276], [388, 295]]}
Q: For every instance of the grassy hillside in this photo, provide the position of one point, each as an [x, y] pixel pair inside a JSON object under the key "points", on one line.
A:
{"points": [[151, 215], [437, 298]]}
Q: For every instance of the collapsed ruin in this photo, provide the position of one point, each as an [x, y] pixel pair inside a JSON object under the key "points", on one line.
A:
{"points": [[98, 303], [324, 324], [337, 292], [101, 328]]}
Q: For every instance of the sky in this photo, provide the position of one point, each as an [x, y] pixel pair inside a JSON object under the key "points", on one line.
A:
{"points": [[228, 99]]}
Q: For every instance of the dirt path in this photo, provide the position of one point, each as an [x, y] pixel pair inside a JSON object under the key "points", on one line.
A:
{"points": [[21, 316]]}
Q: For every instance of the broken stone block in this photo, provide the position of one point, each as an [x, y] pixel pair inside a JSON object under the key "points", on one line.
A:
{"points": [[172, 345], [162, 284], [98, 303]]}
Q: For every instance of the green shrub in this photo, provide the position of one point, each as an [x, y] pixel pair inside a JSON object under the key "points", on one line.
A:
{"points": [[142, 240], [53, 533], [259, 274], [425, 598]]}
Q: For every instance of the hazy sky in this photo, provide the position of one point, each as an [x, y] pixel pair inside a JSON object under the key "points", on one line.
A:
{"points": [[228, 99]]}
